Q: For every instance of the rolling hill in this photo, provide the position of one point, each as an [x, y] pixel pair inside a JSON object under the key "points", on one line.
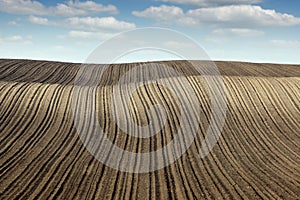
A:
{"points": [[257, 155]]}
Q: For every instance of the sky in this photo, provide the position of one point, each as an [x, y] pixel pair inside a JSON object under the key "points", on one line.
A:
{"points": [[236, 30]]}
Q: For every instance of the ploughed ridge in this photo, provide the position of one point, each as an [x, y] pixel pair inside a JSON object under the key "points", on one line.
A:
{"points": [[256, 157]]}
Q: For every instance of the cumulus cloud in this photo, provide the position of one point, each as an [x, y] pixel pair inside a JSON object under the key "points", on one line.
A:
{"points": [[18, 39], [14, 38], [164, 13], [70, 8], [244, 14], [94, 23], [88, 35], [244, 32], [92, 6], [229, 16], [202, 3], [39, 20], [14, 23], [85, 23]]}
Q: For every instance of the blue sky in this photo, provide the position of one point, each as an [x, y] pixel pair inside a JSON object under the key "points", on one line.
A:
{"points": [[244, 30]]}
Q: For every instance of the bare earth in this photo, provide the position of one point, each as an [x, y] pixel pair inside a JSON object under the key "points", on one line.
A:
{"points": [[256, 157]]}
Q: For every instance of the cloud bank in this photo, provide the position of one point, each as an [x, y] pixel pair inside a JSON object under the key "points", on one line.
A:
{"points": [[70, 8], [202, 3], [228, 16]]}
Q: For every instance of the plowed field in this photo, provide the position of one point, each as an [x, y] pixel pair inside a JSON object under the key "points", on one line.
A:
{"points": [[256, 157]]}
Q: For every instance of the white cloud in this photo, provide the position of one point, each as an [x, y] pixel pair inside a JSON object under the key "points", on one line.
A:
{"points": [[164, 13], [238, 32], [14, 38], [88, 35], [38, 20], [14, 23], [212, 2], [92, 6], [69, 8], [228, 16], [22, 7], [85, 23], [18, 39], [286, 43], [243, 14], [96, 23]]}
